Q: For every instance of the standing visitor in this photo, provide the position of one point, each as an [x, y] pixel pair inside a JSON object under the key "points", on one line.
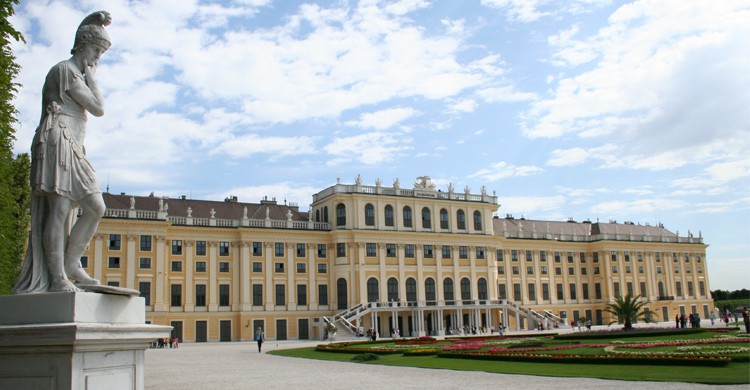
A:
{"points": [[712, 317], [746, 319], [260, 337]]}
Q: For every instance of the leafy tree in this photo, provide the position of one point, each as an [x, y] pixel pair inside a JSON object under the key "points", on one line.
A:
{"points": [[14, 171], [628, 310]]}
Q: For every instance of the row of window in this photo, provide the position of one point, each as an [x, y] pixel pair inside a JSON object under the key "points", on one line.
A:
{"points": [[257, 294], [516, 270], [428, 251], [200, 266], [407, 218], [573, 290], [571, 256]]}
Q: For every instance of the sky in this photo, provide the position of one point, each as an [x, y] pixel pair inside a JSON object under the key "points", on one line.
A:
{"points": [[585, 109]]}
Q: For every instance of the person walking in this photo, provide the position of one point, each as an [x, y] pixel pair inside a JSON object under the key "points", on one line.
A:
{"points": [[746, 319], [260, 337]]}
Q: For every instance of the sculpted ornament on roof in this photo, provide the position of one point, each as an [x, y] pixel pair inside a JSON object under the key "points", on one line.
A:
{"points": [[424, 183]]}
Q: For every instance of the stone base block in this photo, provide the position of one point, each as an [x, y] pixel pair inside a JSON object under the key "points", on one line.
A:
{"points": [[74, 341]]}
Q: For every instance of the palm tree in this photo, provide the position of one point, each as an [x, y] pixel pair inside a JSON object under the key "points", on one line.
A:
{"points": [[628, 310]]}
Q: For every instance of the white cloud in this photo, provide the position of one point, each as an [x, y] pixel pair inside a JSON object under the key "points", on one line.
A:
{"points": [[504, 94], [503, 170], [526, 11], [289, 191], [369, 148], [464, 105], [275, 147], [531, 204], [633, 208], [383, 119]]}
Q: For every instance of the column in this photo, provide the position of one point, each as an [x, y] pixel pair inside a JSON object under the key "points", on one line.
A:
{"points": [[189, 283], [236, 283], [312, 289], [473, 270], [244, 281], [100, 262], [268, 270], [131, 263], [160, 275], [291, 269], [213, 290]]}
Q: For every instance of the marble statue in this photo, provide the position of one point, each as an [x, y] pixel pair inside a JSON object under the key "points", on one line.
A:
{"points": [[62, 178]]}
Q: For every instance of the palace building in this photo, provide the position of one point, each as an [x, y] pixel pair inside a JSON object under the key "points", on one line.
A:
{"points": [[420, 260]]}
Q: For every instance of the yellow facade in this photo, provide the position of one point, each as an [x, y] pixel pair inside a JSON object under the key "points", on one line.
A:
{"points": [[420, 260]]}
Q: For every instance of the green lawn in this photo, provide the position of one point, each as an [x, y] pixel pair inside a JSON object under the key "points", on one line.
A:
{"points": [[734, 373]]}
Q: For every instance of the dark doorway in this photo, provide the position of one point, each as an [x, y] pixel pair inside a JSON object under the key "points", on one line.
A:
{"points": [[177, 330], [280, 329], [225, 330], [201, 331], [303, 326]]}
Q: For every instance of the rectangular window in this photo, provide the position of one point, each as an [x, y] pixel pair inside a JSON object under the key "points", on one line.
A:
{"points": [[176, 247], [557, 257], [545, 291], [614, 269], [301, 268], [480, 252], [570, 258], [582, 256], [114, 242], [176, 266], [223, 295], [300, 250], [585, 290], [340, 249], [223, 248], [678, 286], [596, 271], [543, 256], [529, 256], [278, 249], [571, 270], [616, 287], [516, 271], [499, 254], [502, 294], [428, 251], [85, 261], [674, 257], [658, 270], [596, 257], [145, 289], [409, 250], [702, 288], [529, 270], [544, 270], [640, 257], [145, 262], [278, 267], [584, 271], [516, 292], [629, 286], [322, 268], [323, 294], [257, 295], [677, 269], [699, 269], [560, 292], [627, 269], [687, 269], [257, 266], [573, 291], [370, 249], [597, 291], [280, 295], [113, 262], [687, 258], [257, 249], [145, 243], [302, 294], [463, 252], [514, 255], [176, 295], [223, 266], [640, 269], [200, 266], [658, 257], [200, 295], [322, 251], [643, 289], [390, 250], [627, 256], [200, 248], [558, 271], [501, 269], [691, 292], [613, 256], [532, 291]]}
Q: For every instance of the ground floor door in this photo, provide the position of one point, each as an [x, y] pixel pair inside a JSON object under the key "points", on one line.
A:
{"points": [[280, 329], [665, 313], [303, 326], [177, 330], [225, 330], [201, 331]]}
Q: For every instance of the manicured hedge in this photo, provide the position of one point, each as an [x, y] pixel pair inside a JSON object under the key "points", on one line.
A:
{"points": [[621, 334], [594, 359]]}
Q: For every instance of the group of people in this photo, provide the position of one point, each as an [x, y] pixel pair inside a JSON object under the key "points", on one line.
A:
{"points": [[166, 342], [681, 321]]}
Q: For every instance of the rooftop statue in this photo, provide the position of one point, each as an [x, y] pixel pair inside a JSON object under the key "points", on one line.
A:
{"points": [[62, 179]]}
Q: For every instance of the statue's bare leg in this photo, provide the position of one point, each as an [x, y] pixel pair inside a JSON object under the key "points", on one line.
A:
{"points": [[80, 235], [54, 242]]}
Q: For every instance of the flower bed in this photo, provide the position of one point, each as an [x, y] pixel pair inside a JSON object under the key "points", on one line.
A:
{"points": [[619, 333], [661, 360]]}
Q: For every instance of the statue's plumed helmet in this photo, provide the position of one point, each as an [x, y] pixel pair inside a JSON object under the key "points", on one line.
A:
{"points": [[91, 30]]}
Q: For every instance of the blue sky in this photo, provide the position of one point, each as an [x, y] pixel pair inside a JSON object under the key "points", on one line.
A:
{"points": [[628, 111]]}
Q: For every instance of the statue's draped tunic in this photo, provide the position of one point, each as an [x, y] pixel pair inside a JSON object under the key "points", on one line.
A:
{"points": [[58, 165]]}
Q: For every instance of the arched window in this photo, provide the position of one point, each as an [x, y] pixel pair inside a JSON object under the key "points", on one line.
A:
{"points": [[372, 290], [461, 220], [443, 219], [426, 223], [411, 290], [407, 216], [341, 295], [466, 290], [392, 290], [369, 215], [448, 291], [482, 289], [341, 215], [317, 215], [325, 214], [477, 220], [388, 215], [429, 291]]}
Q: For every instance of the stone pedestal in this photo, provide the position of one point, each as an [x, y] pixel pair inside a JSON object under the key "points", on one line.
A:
{"points": [[74, 341]]}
